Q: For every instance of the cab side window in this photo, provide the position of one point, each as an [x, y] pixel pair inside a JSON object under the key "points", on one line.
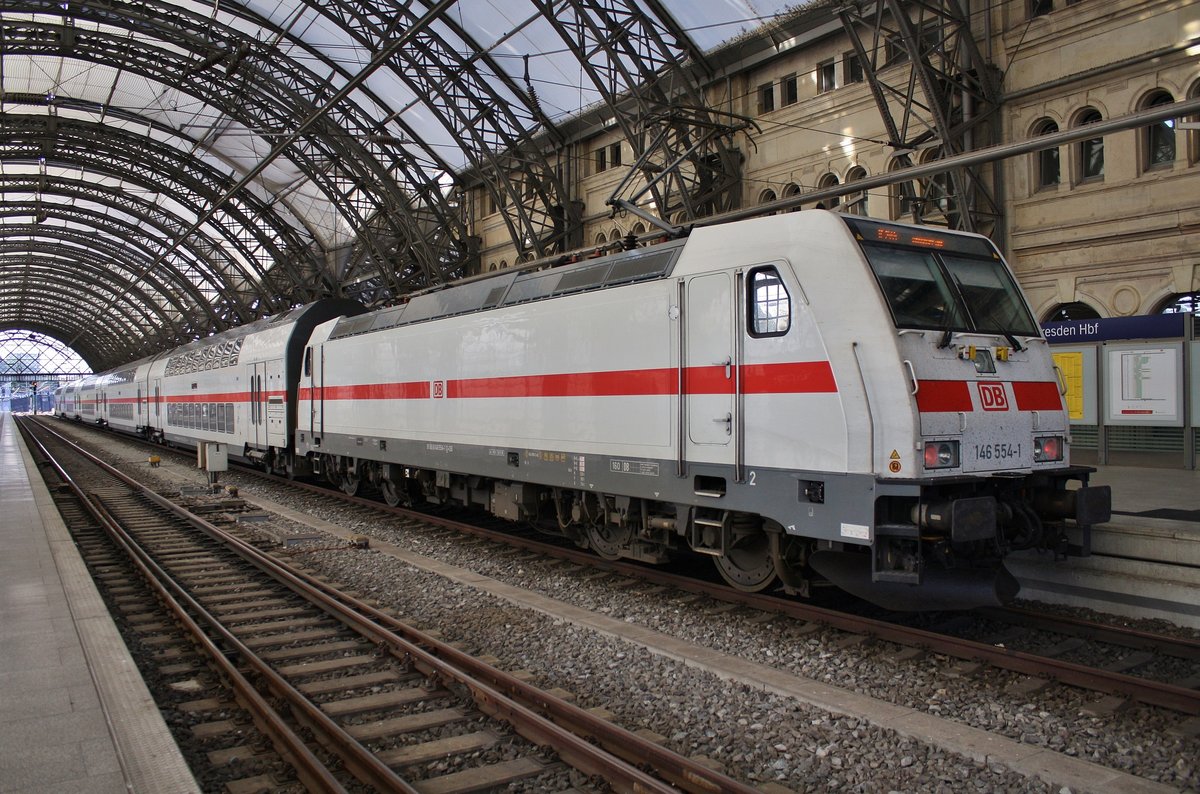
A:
{"points": [[769, 303]]}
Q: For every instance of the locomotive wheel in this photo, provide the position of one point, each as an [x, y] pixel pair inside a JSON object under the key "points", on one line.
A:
{"points": [[748, 565], [606, 540], [391, 494], [350, 483]]}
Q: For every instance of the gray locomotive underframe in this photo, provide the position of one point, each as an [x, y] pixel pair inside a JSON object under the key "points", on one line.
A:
{"points": [[777, 494]]}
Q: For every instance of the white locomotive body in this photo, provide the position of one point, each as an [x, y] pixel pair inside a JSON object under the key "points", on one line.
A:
{"points": [[804, 392]]}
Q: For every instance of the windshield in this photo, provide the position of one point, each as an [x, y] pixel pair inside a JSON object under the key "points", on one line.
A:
{"points": [[991, 297], [949, 292]]}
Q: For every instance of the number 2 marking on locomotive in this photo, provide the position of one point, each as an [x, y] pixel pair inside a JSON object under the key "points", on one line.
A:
{"points": [[753, 477]]}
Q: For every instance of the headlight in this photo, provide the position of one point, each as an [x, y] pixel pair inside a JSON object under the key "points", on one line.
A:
{"points": [[941, 454], [1048, 448]]}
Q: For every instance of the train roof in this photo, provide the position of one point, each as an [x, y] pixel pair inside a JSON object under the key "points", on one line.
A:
{"points": [[510, 288]]}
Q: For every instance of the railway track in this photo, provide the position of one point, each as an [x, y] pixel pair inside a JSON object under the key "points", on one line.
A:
{"points": [[1136, 666], [1158, 670], [349, 697]]}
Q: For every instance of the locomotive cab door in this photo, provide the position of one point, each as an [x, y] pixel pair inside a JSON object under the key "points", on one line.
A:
{"points": [[710, 377], [314, 370]]}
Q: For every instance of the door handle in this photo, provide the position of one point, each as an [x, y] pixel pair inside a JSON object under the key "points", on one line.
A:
{"points": [[727, 364], [728, 420]]}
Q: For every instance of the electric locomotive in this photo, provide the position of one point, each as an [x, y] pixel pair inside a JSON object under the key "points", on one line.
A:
{"points": [[803, 398]]}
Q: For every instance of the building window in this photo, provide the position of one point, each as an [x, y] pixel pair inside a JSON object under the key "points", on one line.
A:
{"points": [[788, 89], [766, 97], [828, 181], [826, 77], [789, 191], [614, 155], [1046, 161], [1091, 151], [601, 159], [1076, 310], [903, 195], [1159, 137], [852, 68], [1039, 8], [1193, 130], [766, 197], [894, 50], [856, 203], [1186, 303]]}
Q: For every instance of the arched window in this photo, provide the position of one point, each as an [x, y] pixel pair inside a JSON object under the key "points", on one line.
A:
{"points": [[1076, 310], [491, 267], [1158, 139], [902, 195], [1193, 134], [1185, 303], [936, 191], [790, 190], [856, 203], [1045, 163], [829, 180], [503, 264], [601, 239], [1090, 153]]}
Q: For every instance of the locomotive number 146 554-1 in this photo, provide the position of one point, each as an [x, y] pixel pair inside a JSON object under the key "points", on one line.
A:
{"points": [[997, 451]]}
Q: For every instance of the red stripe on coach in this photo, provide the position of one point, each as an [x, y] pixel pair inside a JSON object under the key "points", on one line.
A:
{"points": [[574, 384], [1037, 396], [414, 390]]}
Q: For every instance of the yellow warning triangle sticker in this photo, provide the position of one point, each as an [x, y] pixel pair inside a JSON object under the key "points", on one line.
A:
{"points": [[894, 456]]}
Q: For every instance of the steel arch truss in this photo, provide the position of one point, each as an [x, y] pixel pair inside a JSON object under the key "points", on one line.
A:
{"points": [[207, 251], [686, 161], [937, 97]]}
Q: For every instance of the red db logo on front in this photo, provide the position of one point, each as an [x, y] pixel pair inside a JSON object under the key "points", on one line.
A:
{"points": [[992, 396]]}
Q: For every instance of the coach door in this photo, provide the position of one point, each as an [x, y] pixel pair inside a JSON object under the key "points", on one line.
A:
{"points": [[275, 404], [710, 377], [257, 435]]}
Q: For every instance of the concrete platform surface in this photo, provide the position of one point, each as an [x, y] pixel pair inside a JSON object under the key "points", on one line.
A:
{"points": [[75, 715]]}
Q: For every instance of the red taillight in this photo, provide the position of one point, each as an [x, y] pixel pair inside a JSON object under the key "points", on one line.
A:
{"points": [[1047, 449], [931, 456], [941, 454]]}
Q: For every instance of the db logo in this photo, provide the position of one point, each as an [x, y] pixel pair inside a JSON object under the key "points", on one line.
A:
{"points": [[438, 389], [992, 396]]}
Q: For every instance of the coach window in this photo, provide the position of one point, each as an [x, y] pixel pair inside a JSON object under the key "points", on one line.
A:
{"points": [[771, 306]]}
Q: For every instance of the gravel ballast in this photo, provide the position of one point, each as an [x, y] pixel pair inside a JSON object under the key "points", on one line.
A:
{"points": [[754, 735]]}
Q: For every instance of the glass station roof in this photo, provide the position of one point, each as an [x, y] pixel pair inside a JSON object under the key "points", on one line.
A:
{"points": [[170, 169]]}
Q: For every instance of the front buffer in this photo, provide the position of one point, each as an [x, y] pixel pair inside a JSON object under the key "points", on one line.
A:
{"points": [[943, 545]]}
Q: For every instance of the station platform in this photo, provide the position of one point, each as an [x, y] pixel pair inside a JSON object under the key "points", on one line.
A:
{"points": [[1145, 563], [75, 715]]}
